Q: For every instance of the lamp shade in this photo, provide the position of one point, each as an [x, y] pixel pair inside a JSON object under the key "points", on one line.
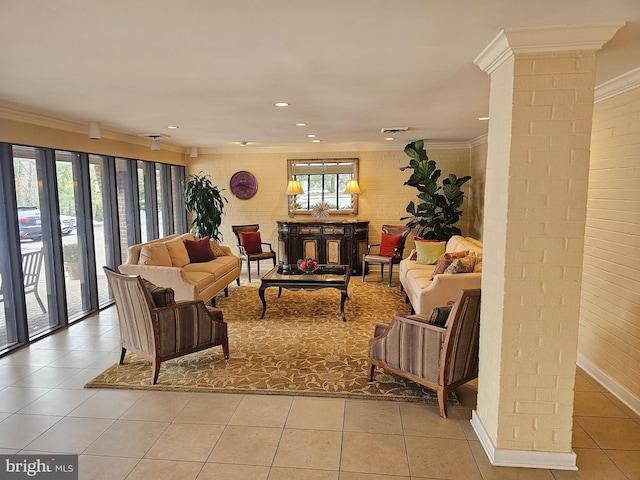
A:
{"points": [[294, 188], [352, 188]]}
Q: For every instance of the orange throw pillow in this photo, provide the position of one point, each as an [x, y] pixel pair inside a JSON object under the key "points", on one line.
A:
{"points": [[388, 244], [251, 242], [446, 260]]}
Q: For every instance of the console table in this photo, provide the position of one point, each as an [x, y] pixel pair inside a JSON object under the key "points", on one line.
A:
{"points": [[329, 242]]}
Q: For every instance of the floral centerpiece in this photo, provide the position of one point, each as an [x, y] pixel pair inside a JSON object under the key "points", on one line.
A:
{"points": [[308, 265]]}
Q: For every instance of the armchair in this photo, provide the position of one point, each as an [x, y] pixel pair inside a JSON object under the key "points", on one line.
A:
{"points": [[390, 251], [441, 358], [159, 332], [250, 246]]}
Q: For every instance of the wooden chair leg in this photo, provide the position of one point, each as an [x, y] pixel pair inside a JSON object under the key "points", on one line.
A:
{"points": [[372, 369], [156, 370], [249, 269], [122, 354], [364, 267], [225, 348], [442, 402], [390, 273]]}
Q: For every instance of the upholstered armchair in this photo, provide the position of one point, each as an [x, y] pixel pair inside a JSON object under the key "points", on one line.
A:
{"points": [[441, 357], [250, 246], [390, 249], [156, 328]]}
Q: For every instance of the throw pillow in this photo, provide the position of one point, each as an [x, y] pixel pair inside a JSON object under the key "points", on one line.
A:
{"points": [[154, 255], [251, 242], [429, 251], [463, 265], [160, 296], [216, 248], [178, 253], [199, 250], [446, 260], [388, 244], [440, 315]]}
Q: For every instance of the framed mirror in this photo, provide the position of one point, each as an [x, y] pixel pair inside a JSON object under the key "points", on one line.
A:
{"points": [[324, 182]]}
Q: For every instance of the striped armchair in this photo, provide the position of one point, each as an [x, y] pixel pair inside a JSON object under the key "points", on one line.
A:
{"points": [[441, 358], [159, 332]]}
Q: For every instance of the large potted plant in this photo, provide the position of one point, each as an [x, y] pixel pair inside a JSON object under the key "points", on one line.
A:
{"points": [[206, 202], [438, 212], [71, 257]]}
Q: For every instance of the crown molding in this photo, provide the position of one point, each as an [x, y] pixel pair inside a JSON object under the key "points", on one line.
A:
{"points": [[616, 86], [544, 39]]}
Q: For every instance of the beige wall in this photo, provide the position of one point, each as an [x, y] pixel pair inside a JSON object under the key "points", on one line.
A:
{"points": [[474, 211], [383, 200], [609, 335], [74, 137]]}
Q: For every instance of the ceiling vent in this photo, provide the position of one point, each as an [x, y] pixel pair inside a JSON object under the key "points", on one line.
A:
{"points": [[394, 130]]}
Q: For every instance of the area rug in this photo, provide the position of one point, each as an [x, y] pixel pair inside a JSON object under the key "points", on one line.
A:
{"points": [[301, 347]]}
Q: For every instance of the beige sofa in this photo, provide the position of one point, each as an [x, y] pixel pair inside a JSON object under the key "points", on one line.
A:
{"points": [[166, 263], [424, 293]]}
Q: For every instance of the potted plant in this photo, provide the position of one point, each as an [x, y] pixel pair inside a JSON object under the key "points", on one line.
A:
{"points": [[71, 257], [205, 201], [439, 211]]}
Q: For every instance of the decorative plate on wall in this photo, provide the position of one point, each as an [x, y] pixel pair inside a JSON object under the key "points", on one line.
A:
{"points": [[243, 185]]}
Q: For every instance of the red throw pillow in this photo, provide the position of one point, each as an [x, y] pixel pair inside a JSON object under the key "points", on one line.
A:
{"points": [[251, 242], [388, 244], [199, 250]]}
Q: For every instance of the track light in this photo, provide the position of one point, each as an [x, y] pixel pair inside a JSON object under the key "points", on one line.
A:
{"points": [[94, 130]]}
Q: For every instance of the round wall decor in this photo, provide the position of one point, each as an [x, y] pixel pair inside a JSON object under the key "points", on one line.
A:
{"points": [[243, 185]]}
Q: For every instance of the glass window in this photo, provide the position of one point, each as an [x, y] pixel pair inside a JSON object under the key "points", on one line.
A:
{"points": [[97, 175]]}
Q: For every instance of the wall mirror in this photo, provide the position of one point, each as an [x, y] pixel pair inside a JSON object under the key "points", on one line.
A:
{"points": [[323, 181]]}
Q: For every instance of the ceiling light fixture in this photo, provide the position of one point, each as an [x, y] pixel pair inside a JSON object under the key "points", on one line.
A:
{"points": [[172, 127], [483, 119], [316, 140], [243, 143], [312, 135], [301, 124], [282, 104], [155, 142], [389, 138], [94, 131]]}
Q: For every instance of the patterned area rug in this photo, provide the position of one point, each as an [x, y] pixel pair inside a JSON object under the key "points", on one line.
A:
{"points": [[302, 347]]}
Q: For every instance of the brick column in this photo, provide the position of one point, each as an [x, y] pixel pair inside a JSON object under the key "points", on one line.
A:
{"points": [[541, 102]]}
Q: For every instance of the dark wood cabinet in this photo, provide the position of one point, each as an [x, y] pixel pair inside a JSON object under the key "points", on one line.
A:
{"points": [[338, 243]]}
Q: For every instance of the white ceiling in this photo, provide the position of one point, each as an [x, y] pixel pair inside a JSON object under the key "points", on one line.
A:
{"points": [[215, 68]]}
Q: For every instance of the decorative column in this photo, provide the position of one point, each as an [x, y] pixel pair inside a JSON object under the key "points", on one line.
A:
{"points": [[541, 102]]}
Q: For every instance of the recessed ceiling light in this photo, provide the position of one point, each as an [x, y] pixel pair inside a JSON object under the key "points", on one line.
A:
{"points": [[483, 118], [282, 104], [389, 138], [243, 143], [316, 140], [301, 124], [312, 135], [173, 127]]}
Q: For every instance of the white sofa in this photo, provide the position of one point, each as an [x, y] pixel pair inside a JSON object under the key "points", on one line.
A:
{"points": [[426, 294], [190, 281]]}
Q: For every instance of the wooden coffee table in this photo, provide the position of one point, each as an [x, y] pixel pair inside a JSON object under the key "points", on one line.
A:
{"points": [[291, 278]]}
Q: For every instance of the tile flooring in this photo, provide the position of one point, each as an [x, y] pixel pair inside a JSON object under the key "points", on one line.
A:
{"points": [[166, 435]]}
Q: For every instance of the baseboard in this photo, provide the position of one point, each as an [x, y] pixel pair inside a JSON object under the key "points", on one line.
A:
{"points": [[521, 458], [607, 382]]}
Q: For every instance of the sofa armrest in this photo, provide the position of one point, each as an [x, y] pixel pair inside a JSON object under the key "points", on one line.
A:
{"points": [[445, 288], [172, 277]]}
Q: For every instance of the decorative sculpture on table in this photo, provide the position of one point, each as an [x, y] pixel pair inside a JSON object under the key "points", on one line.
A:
{"points": [[321, 211]]}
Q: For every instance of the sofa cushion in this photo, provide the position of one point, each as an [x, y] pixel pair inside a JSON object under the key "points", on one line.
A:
{"points": [[446, 260], [463, 265], [251, 242], [388, 244], [154, 254], [160, 296], [216, 268], [216, 248], [199, 250], [178, 252], [429, 251]]}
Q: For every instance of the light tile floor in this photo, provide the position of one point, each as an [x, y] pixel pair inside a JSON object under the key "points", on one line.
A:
{"points": [[167, 435]]}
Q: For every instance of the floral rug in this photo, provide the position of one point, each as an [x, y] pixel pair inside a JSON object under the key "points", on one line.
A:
{"points": [[302, 347]]}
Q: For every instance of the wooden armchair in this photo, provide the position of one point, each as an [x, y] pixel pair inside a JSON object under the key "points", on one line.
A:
{"points": [[390, 249], [250, 246], [160, 330], [441, 358]]}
